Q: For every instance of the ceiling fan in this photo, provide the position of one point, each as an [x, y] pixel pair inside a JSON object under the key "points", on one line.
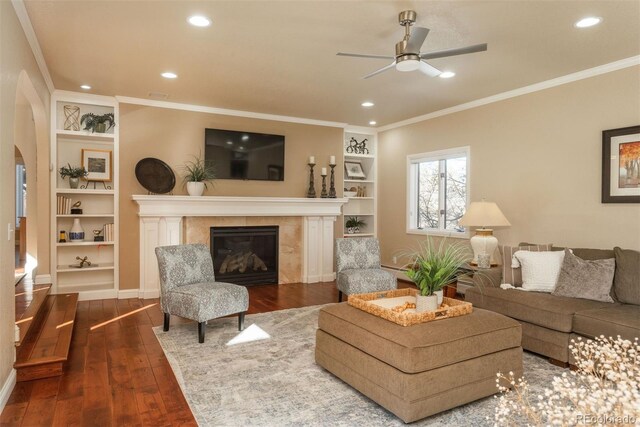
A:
{"points": [[408, 56]]}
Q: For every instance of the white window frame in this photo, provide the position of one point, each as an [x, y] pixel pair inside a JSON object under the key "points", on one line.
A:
{"points": [[412, 191]]}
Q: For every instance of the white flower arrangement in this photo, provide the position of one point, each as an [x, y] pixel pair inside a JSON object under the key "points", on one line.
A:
{"points": [[604, 389]]}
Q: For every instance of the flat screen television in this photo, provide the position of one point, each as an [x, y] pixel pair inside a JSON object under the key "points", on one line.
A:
{"points": [[245, 155]]}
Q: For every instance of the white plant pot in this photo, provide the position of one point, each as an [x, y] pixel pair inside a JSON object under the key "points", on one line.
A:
{"points": [[426, 303], [440, 295], [195, 188]]}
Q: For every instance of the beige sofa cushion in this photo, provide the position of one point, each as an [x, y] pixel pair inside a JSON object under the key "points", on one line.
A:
{"points": [[626, 282], [425, 346], [623, 320], [538, 308]]}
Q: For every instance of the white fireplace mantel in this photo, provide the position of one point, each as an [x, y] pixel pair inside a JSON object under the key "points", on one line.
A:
{"points": [[161, 224]]}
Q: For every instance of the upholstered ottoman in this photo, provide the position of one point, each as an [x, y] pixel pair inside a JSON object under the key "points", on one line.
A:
{"points": [[419, 370]]}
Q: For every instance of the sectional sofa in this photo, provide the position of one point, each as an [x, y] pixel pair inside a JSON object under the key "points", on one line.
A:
{"points": [[550, 322]]}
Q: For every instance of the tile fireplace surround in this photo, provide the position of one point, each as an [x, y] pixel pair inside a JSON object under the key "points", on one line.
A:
{"points": [[306, 230]]}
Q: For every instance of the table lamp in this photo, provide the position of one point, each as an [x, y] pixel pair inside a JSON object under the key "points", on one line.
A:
{"points": [[486, 215]]}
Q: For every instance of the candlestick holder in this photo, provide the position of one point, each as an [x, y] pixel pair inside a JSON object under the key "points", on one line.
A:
{"points": [[323, 193], [311, 193], [332, 185]]}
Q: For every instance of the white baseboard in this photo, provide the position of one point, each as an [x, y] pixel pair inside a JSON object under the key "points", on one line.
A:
{"points": [[94, 295], [148, 294], [128, 293], [43, 279], [7, 388]]}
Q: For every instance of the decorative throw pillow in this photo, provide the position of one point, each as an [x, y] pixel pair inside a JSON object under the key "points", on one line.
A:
{"points": [[586, 279], [540, 270], [513, 276], [626, 283]]}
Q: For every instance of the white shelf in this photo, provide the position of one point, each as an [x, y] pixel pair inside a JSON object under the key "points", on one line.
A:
{"points": [[359, 235], [84, 191], [359, 156], [86, 216], [360, 181], [85, 136], [85, 244], [67, 269], [360, 198]]}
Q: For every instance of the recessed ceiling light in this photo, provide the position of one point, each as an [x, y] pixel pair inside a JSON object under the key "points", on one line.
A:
{"points": [[85, 87], [199, 21], [241, 147], [446, 74], [373, 123], [229, 143], [245, 137], [169, 75], [367, 104], [589, 21]]}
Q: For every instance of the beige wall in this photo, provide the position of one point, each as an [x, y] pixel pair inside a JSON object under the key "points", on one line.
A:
{"points": [[174, 136], [15, 57], [538, 156]]}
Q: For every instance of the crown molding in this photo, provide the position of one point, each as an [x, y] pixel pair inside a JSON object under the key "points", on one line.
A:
{"points": [[30, 34], [226, 112], [365, 130], [569, 78]]}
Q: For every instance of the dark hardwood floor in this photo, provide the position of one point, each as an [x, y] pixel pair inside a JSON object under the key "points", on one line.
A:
{"points": [[118, 375]]}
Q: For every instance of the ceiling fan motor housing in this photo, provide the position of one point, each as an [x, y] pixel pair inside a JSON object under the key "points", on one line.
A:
{"points": [[407, 17]]}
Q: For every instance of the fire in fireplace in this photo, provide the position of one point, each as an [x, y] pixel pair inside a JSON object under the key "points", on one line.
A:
{"points": [[245, 255]]}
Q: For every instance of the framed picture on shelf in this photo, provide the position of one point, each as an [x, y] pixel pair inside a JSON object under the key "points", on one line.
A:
{"points": [[354, 170], [621, 165], [97, 163]]}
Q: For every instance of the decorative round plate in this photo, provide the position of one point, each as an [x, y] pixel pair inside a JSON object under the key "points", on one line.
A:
{"points": [[155, 175]]}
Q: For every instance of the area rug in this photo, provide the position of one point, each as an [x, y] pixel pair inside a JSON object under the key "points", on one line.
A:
{"points": [[275, 382]]}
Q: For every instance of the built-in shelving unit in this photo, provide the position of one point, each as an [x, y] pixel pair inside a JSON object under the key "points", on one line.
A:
{"points": [[99, 201], [364, 207]]}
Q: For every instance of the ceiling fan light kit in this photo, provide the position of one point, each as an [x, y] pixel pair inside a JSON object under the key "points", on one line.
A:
{"points": [[408, 56]]}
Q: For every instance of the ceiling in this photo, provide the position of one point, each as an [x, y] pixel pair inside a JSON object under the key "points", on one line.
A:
{"points": [[279, 57]]}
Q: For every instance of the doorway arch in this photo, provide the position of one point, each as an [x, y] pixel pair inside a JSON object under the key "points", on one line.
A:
{"points": [[31, 138]]}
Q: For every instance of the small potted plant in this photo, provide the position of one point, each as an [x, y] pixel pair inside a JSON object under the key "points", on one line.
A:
{"points": [[353, 224], [433, 267], [98, 123], [74, 173], [197, 173]]}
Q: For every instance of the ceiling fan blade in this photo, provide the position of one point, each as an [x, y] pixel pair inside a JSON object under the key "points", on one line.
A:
{"points": [[381, 70], [429, 70], [418, 35], [358, 55], [453, 52]]}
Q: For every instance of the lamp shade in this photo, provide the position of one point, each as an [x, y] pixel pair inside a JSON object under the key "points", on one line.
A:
{"points": [[485, 215]]}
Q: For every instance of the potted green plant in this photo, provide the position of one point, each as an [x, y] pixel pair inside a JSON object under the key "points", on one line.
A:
{"points": [[353, 224], [98, 123], [432, 267], [198, 172], [74, 173]]}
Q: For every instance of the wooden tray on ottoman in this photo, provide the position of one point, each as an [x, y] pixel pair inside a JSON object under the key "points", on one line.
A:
{"points": [[371, 303]]}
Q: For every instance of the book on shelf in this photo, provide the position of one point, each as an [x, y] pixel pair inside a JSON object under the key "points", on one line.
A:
{"points": [[63, 205], [108, 232]]}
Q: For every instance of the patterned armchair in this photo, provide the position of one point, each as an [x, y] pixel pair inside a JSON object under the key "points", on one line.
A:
{"points": [[188, 287], [358, 267]]}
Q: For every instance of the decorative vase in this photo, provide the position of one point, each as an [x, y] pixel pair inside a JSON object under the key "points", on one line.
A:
{"points": [[353, 230], [426, 303], [76, 234], [195, 188], [101, 127], [440, 295], [73, 182]]}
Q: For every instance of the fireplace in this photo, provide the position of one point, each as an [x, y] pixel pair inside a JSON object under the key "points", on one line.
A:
{"points": [[245, 255]]}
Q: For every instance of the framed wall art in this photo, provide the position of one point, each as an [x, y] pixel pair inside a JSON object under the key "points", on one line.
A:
{"points": [[354, 170], [621, 165], [98, 164]]}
